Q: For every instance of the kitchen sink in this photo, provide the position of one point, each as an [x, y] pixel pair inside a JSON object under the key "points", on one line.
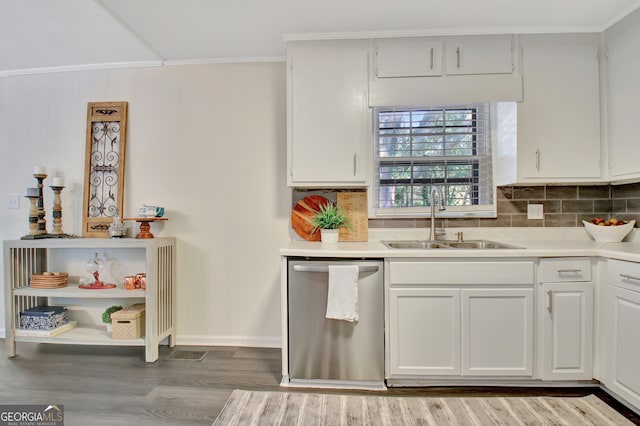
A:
{"points": [[480, 244], [426, 244], [416, 244]]}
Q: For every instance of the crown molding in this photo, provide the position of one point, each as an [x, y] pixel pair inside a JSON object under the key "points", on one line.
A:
{"points": [[226, 60], [439, 32], [84, 67]]}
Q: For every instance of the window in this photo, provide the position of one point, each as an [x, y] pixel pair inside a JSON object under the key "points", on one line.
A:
{"points": [[421, 148]]}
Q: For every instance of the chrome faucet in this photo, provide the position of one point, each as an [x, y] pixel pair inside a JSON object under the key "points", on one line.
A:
{"points": [[435, 191]]}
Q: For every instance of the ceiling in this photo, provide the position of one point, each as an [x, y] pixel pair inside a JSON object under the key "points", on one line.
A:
{"points": [[54, 35]]}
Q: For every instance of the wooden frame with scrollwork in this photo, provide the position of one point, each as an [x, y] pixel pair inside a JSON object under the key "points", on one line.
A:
{"points": [[104, 166]]}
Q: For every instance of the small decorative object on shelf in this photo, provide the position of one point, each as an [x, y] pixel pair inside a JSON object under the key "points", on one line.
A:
{"points": [[150, 211], [50, 280], [94, 266], [57, 187], [44, 317], [145, 228], [106, 315], [118, 228], [128, 323], [141, 280], [37, 221]]}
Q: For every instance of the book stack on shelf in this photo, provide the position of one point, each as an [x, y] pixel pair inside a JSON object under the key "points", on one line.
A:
{"points": [[44, 321]]}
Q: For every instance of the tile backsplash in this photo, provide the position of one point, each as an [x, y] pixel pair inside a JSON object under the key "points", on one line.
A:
{"points": [[563, 206]]}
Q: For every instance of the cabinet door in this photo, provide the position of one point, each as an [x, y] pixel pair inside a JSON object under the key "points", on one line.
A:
{"points": [[327, 113], [408, 57], [424, 330], [559, 120], [567, 312], [625, 344], [497, 332], [479, 55], [623, 92]]}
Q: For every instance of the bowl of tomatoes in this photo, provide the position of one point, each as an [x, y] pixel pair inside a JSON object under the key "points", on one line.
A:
{"points": [[608, 230]]}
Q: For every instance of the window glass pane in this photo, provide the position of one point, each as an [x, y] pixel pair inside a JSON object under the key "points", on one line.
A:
{"points": [[447, 147]]}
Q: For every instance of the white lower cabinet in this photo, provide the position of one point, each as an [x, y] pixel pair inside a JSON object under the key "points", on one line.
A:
{"points": [[497, 332], [425, 331], [565, 312], [460, 318], [623, 328]]}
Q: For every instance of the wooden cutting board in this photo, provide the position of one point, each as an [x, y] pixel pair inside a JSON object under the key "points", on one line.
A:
{"points": [[355, 205], [302, 213]]}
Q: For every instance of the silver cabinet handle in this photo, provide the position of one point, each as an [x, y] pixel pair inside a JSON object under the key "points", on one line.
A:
{"points": [[432, 58], [630, 277], [550, 296], [325, 269], [538, 159], [569, 271], [355, 164], [376, 69], [458, 56]]}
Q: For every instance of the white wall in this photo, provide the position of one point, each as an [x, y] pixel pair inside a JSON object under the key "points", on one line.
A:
{"points": [[208, 143]]}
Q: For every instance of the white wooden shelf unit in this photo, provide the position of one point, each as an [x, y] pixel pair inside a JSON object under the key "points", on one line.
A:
{"points": [[22, 258]]}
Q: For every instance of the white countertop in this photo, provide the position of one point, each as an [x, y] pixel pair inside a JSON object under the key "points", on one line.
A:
{"points": [[559, 242]]}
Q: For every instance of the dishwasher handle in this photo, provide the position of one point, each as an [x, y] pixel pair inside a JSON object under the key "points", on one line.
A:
{"points": [[325, 268]]}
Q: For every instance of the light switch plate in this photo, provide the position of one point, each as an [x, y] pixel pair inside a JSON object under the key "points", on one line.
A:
{"points": [[535, 211], [13, 201]]}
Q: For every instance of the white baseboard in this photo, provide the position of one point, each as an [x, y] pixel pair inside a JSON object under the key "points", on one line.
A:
{"points": [[246, 341], [206, 340]]}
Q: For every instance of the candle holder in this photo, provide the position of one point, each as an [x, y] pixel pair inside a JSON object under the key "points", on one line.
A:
{"points": [[57, 210], [33, 213], [37, 221], [42, 222]]}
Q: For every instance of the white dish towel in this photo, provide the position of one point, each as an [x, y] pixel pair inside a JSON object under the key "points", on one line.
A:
{"points": [[342, 297]]}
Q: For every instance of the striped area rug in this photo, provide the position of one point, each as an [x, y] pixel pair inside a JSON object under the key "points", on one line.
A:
{"points": [[289, 408]]}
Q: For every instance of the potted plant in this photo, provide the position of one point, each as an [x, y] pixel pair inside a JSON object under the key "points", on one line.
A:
{"points": [[329, 220], [106, 315]]}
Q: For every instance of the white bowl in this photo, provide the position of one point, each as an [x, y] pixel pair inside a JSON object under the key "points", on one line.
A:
{"points": [[608, 234]]}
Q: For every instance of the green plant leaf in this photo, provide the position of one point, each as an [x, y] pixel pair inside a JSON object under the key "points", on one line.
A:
{"points": [[329, 217]]}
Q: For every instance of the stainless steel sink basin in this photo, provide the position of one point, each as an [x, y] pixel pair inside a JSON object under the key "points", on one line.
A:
{"points": [[416, 244], [480, 244], [426, 244]]}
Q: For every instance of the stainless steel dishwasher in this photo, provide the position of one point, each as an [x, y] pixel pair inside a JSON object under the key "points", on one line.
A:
{"points": [[322, 349]]}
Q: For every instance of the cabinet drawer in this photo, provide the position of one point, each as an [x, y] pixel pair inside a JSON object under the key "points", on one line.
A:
{"points": [[624, 274], [565, 269], [461, 272]]}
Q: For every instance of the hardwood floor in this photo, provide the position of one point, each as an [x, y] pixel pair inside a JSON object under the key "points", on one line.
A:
{"points": [[114, 386]]}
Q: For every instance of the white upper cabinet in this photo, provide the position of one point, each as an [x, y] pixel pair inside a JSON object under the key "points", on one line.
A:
{"points": [[559, 120], [328, 130], [408, 57], [445, 70], [623, 92], [480, 55]]}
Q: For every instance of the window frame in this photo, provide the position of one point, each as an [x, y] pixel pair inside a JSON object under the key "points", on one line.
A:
{"points": [[486, 210]]}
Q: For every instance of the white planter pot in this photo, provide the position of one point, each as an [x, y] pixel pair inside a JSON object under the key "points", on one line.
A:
{"points": [[329, 236], [109, 327]]}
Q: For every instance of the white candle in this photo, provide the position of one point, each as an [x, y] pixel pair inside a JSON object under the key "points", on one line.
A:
{"points": [[32, 192], [39, 170], [58, 181]]}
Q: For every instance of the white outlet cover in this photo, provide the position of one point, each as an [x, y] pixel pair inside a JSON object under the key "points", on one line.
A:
{"points": [[535, 211], [13, 201]]}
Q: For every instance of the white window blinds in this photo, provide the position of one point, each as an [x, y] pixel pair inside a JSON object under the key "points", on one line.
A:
{"points": [[419, 148]]}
